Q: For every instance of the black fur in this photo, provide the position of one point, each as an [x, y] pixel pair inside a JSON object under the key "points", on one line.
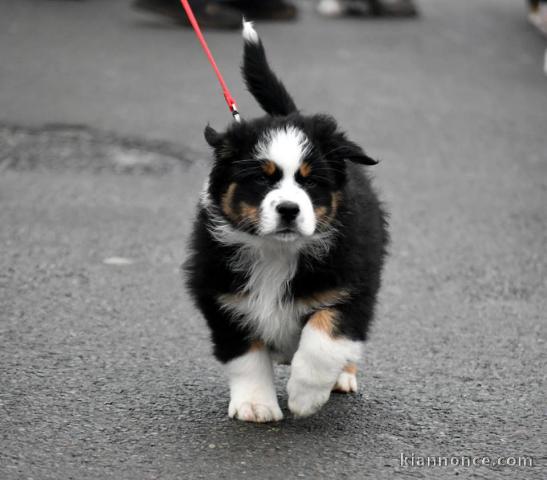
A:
{"points": [[355, 259], [263, 84]]}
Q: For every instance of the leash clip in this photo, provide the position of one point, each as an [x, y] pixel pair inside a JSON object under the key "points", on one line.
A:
{"points": [[233, 108], [227, 95]]}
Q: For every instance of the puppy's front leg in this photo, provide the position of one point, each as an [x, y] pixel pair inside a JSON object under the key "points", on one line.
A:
{"points": [[252, 390], [319, 360]]}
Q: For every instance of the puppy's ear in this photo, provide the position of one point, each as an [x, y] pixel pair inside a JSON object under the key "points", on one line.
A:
{"points": [[213, 138], [334, 143], [353, 152]]}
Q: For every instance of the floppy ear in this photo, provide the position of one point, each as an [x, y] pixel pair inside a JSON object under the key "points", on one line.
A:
{"points": [[213, 138], [334, 143], [349, 150]]}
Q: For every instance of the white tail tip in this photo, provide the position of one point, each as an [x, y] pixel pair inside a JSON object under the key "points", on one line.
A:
{"points": [[249, 33]]}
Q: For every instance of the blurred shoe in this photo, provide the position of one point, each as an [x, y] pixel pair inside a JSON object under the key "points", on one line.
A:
{"points": [[266, 9], [172, 10], [393, 8], [332, 8], [339, 8], [376, 8], [210, 15]]}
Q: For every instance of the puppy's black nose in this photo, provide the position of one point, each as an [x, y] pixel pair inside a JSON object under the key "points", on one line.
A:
{"points": [[288, 211]]}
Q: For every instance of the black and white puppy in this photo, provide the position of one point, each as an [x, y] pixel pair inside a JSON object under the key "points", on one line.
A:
{"points": [[287, 251]]}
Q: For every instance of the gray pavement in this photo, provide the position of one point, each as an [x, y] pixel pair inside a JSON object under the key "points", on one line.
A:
{"points": [[106, 370]]}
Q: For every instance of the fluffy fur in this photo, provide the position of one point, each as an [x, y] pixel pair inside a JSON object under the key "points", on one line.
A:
{"points": [[287, 250]]}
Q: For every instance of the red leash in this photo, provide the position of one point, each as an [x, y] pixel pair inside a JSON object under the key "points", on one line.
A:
{"points": [[227, 95]]}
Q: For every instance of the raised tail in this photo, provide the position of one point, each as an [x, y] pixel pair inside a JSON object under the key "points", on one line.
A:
{"points": [[263, 84]]}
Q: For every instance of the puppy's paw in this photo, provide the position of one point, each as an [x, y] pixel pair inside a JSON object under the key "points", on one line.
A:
{"points": [[305, 399], [346, 383], [255, 412]]}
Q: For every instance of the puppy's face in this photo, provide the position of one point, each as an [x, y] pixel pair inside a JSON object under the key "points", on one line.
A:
{"points": [[280, 187], [277, 179]]}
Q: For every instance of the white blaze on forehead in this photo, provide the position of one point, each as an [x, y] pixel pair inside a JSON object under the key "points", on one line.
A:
{"points": [[286, 147]]}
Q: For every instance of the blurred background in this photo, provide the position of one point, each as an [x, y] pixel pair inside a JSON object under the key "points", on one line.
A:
{"points": [[105, 367]]}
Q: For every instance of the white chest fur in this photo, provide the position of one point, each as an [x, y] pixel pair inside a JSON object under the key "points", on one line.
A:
{"points": [[269, 266], [262, 305]]}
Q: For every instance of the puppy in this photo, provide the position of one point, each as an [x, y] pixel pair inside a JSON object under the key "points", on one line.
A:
{"points": [[286, 252]]}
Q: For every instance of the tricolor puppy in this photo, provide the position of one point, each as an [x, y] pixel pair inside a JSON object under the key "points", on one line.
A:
{"points": [[287, 251]]}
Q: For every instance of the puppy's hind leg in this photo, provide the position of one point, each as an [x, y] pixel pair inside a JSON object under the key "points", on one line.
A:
{"points": [[252, 390], [347, 380]]}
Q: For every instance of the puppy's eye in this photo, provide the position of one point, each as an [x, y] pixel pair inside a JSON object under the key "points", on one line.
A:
{"points": [[263, 179], [310, 183]]}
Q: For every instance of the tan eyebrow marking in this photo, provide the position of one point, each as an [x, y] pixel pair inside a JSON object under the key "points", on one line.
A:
{"points": [[305, 169], [269, 167]]}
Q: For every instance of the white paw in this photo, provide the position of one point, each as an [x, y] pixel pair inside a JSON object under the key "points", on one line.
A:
{"points": [[305, 399], [346, 383], [255, 412]]}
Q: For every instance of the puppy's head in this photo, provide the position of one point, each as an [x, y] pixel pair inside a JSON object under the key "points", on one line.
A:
{"points": [[281, 178]]}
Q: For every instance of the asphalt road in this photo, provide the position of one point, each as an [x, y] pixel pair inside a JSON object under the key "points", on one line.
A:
{"points": [[105, 368]]}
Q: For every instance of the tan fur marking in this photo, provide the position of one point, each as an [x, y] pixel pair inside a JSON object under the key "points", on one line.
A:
{"points": [[326, 298], [269, 167], [346, 384], [351, 368], [227, 200], [305, 169], [323, 320], [336, 198], [256, 345], [248, 212], [326, 217], [320, 212]]}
